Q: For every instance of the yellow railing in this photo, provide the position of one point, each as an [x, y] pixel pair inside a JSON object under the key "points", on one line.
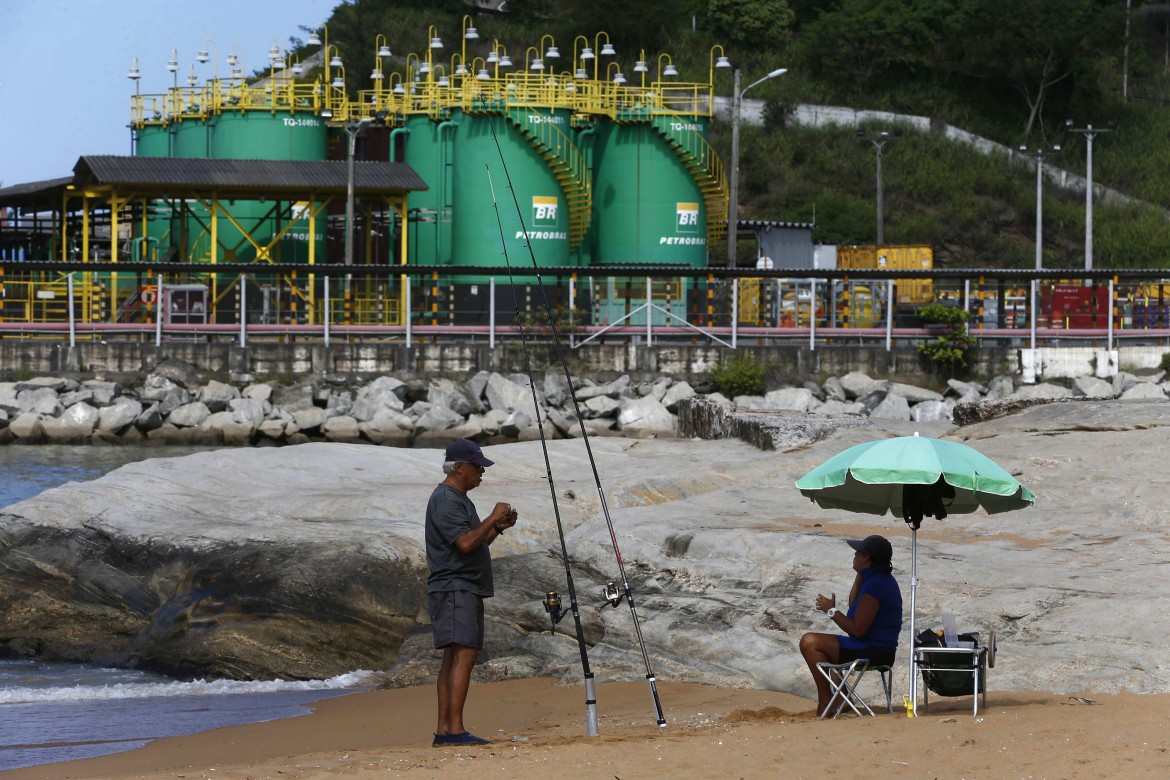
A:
{"points": [[44, 297], [216, 97]]}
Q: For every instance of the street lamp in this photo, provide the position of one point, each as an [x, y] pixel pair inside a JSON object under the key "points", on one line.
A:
{"points": [[879, 143], [1039, 155], [1089, 132], [353, 130], [733, 199]]}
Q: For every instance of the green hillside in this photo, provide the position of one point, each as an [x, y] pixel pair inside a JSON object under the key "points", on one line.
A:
{"points": [[1010, 72]]}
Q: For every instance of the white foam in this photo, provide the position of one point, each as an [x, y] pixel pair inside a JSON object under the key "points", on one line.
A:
{"points": [[21, 695]]}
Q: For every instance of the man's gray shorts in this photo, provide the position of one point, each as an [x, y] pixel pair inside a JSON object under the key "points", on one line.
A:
{"points": [[456, 618]]}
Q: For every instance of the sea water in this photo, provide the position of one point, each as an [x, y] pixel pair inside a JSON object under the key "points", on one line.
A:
{"points": [[53, 712]]}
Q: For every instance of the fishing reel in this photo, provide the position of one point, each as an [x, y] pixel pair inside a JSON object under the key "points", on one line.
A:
{"points": [[552, 605], [613, 597]]}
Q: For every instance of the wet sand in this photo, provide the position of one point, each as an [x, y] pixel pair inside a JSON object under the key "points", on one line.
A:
{"points": [[537, 728]]}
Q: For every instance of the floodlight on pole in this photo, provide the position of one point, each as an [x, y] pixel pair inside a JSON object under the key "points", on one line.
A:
{"points": [[879, 141], [733, 197], [353, 130], [1038, 155], [1089, 132]]}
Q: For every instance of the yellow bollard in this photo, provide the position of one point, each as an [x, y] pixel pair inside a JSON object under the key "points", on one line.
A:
{"points": [[908, 704]]}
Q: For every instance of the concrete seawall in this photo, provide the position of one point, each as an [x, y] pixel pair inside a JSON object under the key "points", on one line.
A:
{"points": [[605, 361]]}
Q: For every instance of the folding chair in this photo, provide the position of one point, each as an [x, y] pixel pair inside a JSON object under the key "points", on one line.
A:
{"points": [[843, 681]]}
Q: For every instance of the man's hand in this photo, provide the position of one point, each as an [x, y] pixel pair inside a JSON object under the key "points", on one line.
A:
{"points": [[503, 516]]}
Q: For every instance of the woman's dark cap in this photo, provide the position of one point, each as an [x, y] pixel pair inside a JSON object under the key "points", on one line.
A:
{"points": [[875, 546]]}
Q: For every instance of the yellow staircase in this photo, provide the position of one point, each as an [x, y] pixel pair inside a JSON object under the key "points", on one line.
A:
{"points": [[684, 135]]}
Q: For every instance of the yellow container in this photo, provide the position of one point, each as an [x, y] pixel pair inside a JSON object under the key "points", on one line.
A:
{"points": [[909, 256]]}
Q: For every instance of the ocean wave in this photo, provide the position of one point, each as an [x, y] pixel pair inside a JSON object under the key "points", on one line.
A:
{"points": [[24, 695]]}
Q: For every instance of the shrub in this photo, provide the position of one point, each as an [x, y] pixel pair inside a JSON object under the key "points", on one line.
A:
{"points": [[947, 350], [741, 375]]}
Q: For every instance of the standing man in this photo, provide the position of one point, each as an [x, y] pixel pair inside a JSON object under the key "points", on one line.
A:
{"points": [[460, 579]]}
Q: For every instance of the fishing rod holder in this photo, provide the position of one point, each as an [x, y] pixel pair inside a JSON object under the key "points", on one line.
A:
{"points": [[555, 610]]}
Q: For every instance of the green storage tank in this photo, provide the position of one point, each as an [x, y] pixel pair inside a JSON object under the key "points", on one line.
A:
{"points": [[430, 151], [539, 194], [649, 209], [263, 135], [154, 141], [647, 206]]}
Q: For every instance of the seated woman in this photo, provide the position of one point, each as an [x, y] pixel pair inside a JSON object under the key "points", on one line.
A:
{"points": [[872, 622]]}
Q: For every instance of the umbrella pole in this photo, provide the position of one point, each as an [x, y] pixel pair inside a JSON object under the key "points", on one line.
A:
{"points": [[913, 598]]}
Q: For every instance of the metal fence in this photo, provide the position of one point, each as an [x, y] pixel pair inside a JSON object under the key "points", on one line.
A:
{"points": [[730, 310]]}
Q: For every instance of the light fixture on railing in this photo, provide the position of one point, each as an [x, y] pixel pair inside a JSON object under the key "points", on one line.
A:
{"points": [[376, 74], [173, 62], [135, 73], [314, 39], [274, 55], [483, 75], [537, 64], [436, 43], [297, 70], [505, 61], [586, 53], [338, 82], [640, 67], [608, 51], [444, 81], [384, 50], [335, 61], [460, 70], [670, 70], [192, 79], [399, 89], [619, 78], [580, 73], [471, 34], [492, 57], [552, 53], [424, 67], [722, 62], [326, 113]]}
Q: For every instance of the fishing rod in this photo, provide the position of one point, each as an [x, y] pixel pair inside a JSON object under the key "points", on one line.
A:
{"points": [[552, 600], [613, 596]]}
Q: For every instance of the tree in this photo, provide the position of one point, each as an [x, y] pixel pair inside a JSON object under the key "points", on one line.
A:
{"points": [[1041, 45], [860, 41], [750, 23]]}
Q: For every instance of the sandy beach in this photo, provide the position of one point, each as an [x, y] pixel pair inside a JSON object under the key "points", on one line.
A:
{"points": [[537, 731]]}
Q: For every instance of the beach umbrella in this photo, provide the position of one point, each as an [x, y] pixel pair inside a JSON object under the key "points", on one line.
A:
{"points": [[913, 477]]}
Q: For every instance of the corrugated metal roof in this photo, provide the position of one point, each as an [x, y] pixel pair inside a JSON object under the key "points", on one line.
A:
{"points": [[47, 191], [274, 175]]}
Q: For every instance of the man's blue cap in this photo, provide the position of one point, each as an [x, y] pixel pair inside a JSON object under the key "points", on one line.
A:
{"points": [[466, 451]]}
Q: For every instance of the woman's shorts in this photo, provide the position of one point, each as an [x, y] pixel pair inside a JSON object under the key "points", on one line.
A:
{"points": [[456, 618], [878, 656]]}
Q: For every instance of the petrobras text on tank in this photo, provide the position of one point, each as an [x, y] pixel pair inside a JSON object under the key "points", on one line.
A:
{"points": [[681, 241], [542, 235]]}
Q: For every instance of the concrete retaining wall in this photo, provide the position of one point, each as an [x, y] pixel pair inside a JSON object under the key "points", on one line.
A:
{"points": [[285, 361]]}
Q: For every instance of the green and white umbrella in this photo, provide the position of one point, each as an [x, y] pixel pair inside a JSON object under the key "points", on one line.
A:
{"points": [[914, 477]]}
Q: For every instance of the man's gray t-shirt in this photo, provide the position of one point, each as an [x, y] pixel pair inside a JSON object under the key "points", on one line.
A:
{"points": [[450, 514]]}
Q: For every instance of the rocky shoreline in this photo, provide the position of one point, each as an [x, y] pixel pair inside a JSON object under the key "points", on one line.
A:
{"points": [[174, 403], [307, 561]]}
